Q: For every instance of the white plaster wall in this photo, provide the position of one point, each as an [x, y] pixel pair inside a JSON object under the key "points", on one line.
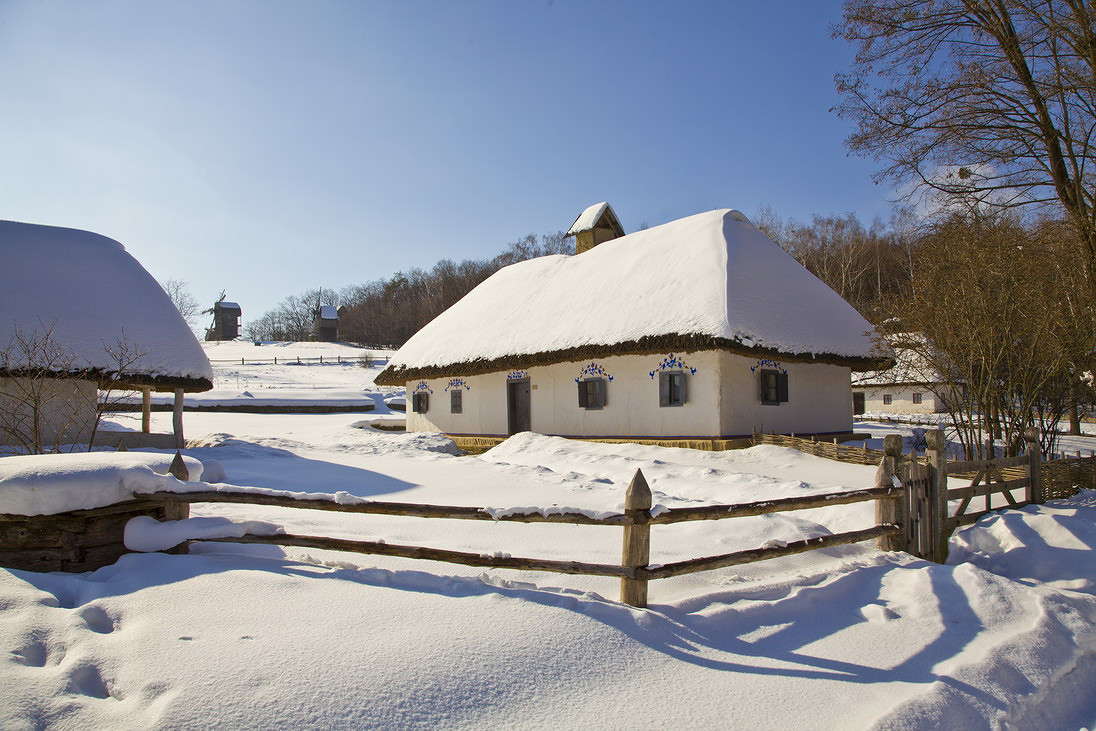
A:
{"points": [[66, 410], [819, 398], [632, 408], [901, 400]]}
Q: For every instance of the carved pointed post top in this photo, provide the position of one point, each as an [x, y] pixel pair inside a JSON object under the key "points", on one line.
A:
{"points": [[638, 496], [178, 468]]}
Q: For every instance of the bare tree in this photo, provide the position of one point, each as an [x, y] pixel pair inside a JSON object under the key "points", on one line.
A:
{"points": [[179, 292], [990, 100]]}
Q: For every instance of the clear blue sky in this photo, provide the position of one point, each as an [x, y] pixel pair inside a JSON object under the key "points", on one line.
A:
{"points": [[270, 147]]}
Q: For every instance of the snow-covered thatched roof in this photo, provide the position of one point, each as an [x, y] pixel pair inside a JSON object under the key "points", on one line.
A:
{"points": [[707, 281], [590, 217], [86, 296], [226, 305], [912, 365]]}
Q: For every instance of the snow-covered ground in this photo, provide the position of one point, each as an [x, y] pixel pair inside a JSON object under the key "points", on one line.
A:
{"points": [[341, 380], [256, 636]]}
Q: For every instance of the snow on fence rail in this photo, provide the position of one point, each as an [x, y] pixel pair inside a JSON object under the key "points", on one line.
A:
{"points": [[634, 570], [337, 359]]}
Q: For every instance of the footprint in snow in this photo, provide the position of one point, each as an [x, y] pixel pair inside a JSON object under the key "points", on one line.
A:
{"points": [[98, 620]]}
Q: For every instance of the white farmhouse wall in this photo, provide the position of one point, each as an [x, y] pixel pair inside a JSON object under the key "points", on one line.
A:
{"points": [[723, 400], [901, 400], [819, 400], [66, 408], [632, 408]]}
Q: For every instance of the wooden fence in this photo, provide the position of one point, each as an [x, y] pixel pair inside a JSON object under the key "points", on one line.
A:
{"points": [[337, 359], [634, 570], [1061, 477]]}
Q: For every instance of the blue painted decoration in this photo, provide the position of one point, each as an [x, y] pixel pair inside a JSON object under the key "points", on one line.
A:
{"points": [[593, 370], [672, 362], [457, 384], [766, 363], [424, 386], [517, 375]]}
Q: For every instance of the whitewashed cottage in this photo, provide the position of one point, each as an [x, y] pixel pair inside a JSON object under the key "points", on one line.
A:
{"points": [[78, 313], [698, 332], [912, 385]]}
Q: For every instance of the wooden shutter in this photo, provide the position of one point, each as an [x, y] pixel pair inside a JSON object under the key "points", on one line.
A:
{"points": [[782, 387], [683, 388], [762, 382], [456, 401], [664, 389], [602, 393], [583, 395]]}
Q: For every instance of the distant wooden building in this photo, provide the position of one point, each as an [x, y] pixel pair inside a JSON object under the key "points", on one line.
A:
{"points": [[326, 326], [226, 321]]}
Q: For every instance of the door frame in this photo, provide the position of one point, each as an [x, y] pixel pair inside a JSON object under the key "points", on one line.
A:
{"points": [[511, 388]]}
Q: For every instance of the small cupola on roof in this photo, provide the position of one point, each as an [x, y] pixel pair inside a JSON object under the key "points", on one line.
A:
{"points": [[596, 225]]}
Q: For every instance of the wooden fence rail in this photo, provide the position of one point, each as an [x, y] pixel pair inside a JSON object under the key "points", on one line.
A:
{"points": [[634, 569]]}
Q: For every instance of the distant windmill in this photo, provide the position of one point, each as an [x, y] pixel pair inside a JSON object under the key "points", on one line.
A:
{"points": [[226, 319]]}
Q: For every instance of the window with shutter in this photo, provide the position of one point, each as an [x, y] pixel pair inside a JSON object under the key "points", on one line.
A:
{"points": [[420, 403], [456, 401], [916, 398], [592, 393], [887, 398], [782, 387], [671, 388]]}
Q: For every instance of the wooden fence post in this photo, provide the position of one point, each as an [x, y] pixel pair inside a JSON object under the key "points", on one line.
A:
{"points": [[177, 419], [637, 540], [937, 496], [1035, 493], [146, 410], [892, 510]]}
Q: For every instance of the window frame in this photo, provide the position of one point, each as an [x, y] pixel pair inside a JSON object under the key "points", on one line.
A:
{"points": [[918, 397], [779, 383], [584, 393], [666, 393], [456, 401], [888, 399], [420, 402]]}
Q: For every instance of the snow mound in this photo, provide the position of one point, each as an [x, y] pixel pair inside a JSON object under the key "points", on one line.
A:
{"points": [[57, 483], [145, 533]]}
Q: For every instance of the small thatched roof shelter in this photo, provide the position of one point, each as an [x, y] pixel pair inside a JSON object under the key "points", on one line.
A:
{"points": [[87, 296]]}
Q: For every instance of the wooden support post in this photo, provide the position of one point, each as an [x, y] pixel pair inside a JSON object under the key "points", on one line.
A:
{"points": [[637, 540], [146, 410], [275, 360], [241, 361], [937, 496], [177, 419], [1035, 491], [892, 510]]}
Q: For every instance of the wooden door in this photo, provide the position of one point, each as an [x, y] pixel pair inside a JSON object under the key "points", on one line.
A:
{"points": [[518, 406], [858, 403]]}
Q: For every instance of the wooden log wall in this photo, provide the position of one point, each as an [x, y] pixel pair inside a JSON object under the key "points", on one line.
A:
{"points": [[80, 540]]}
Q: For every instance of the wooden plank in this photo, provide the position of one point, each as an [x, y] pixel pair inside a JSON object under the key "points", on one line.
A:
{"points": [[964, 493], [981, 464], [414, 510], [431, 554], [760, 554], [961, 520], [719, 512]]}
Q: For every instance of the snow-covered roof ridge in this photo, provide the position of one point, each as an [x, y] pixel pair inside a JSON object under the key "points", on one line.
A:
{"points": [[328, 312], [911, 364], [707, 281], [588, 218], [88, 294]]}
